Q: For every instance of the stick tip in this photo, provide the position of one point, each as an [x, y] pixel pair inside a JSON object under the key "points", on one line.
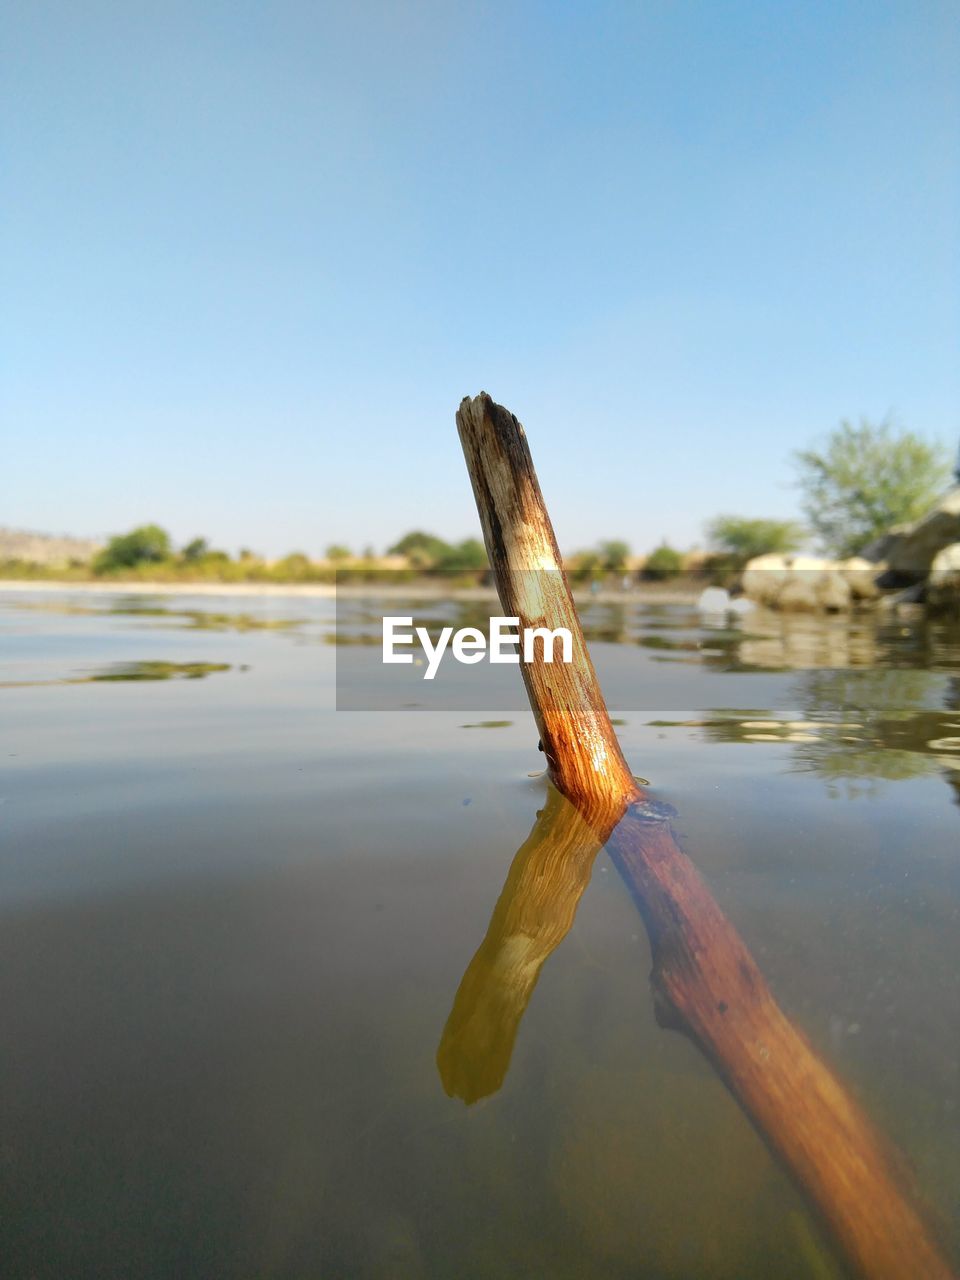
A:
{"points": [[480, 401], [482, 411]]}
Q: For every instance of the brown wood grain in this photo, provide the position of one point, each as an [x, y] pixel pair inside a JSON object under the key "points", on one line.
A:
{"points": [[705, 981]]}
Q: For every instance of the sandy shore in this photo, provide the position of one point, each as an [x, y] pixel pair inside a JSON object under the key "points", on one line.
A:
{"points": [[322, 590], [652, 593]]}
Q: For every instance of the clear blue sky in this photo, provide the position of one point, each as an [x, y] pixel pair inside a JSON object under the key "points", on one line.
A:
{"points": [[256, 253]]}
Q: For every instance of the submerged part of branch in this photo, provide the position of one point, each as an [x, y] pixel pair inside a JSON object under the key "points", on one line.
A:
{"points": [[705, 980]]}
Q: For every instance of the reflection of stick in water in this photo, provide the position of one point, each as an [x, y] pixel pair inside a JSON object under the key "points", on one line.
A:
{"points": [[532, 917], [705, 981]]}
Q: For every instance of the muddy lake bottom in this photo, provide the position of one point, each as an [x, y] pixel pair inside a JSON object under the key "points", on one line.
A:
{"points": [[236, 920]]}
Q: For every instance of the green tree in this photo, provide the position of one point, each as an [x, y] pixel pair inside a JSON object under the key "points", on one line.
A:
{"points": [[739, 539], [424, 550], [614, 554], [469, 554], [336, 551], [195, 550], [148, 544], [292, 567], [663, 562], [584, 565], [865, 479]]}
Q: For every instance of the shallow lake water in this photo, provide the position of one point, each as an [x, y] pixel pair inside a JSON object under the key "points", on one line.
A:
{"points": [[236, 921]]}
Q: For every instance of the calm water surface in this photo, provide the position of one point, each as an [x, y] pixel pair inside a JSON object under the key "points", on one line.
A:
{"points": [[236, 922]]}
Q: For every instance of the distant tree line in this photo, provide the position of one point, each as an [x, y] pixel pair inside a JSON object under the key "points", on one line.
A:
{"points": [[149, 552], [426, 551], [862, 480]]}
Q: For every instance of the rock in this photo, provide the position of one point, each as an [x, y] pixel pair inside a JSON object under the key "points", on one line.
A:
{"points": [[946, 563], [764, 576], [833, 591], [714, 602], [861, 576], [815, 591], [943, 585], [916, 561], [740, 607], [717, 607], [797, 583], [797, 595], [910, 550], [907, 598]]}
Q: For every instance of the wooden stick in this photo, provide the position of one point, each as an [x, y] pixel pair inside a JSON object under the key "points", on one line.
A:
{"points": [[585, 760], [705, 981]]}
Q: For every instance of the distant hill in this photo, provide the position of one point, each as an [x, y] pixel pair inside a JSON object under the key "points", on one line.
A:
{"points": [[45, 548]]}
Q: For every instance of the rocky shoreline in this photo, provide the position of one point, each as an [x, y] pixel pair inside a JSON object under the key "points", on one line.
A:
{"points": [[914, 564]]}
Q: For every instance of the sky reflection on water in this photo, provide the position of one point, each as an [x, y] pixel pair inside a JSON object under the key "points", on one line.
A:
{"points": [[236, 921]]}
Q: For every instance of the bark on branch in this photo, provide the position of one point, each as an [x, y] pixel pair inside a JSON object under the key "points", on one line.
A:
{"points": [[705, 980]]}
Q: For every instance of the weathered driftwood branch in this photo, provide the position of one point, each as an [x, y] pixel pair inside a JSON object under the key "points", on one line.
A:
{"points": [[705, 980]]}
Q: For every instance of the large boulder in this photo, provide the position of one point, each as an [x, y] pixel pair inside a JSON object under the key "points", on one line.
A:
{"points": [[909, 549], [817, 591], [800, 584], [861, 577], [922, 557], [764, 577], [943, 584]]}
